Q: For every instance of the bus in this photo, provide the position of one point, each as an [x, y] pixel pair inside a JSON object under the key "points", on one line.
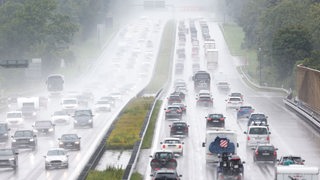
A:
{"points": [[55, 83]]}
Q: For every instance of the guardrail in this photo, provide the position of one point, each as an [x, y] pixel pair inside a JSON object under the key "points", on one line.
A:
{"points": [[137, 146]]}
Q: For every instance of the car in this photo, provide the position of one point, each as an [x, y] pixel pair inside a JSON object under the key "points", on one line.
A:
{"points": [[180, 82], [223, 86], [4, 131], [69, 104], [70, 141], [265, 152], [236, 94], [44, 127], [8, 158], [234, 102], [24, 139], [204, 92], [180, 94], [257, 119], [102, 106], [215, 120], [257, 135], [173, 112], [181, 90], [14, 118], [116, 96], [290, 159], [182, 106], [111, 100], [56, 158], [179, 67], [83, 118], [174, 98], [179, 129], [195, 67], [163, 159], [244, 111], [60, 117], [173, 144], [165, 173], [205, 100]]}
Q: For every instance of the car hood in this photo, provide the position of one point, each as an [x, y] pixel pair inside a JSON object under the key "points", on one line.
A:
{"points": [[55, 158], [14, 119], [6, 157], [60, 117], [82, 118]]}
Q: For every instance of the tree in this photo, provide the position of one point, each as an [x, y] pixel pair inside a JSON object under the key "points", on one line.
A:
{"points": [[290, 44], [313, 61]]}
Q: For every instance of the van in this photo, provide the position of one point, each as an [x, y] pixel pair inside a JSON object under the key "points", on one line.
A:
{"points": [[296, 172], [4, 131], [257, 135]]}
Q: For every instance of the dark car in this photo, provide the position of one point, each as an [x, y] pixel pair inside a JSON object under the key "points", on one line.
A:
{"points": [[244, 112], [174, 98], [290, 159], [258, 119], [265, 152], [69, 141], [4, 131], [182, 106], [44, 127], [163, 159], [83, 118], [180, 94], [173, 112], [179, 129], [165, 174], [8, 158], [24, 139], [215, 120], [206, 101]]}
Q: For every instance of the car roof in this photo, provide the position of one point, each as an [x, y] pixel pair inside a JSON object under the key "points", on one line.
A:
{"points": [[254, 126]]}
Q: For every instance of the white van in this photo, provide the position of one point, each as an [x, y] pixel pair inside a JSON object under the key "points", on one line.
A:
{"points": [[257, 135], [297, 172], [14, 117]]}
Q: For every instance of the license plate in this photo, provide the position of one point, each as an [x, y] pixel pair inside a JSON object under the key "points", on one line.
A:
{"points": [[215, 120], [179, 132], [265, 154]]}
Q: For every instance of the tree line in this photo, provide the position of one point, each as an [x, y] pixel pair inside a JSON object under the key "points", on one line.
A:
{"points": [[46, 28], [286, 32]]}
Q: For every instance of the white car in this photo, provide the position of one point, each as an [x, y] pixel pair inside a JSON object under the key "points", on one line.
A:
{"points": [[204, 93], [234, 102], [14, 117], [173, 144], [56, 158], [257, 135], [69, 104], [102, 105], [61, 117], [116, 96], [223, 86]]}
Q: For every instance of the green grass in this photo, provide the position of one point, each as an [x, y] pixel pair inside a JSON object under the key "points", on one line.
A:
{"points": [[136, 176], [128, 125], [148, 137], [111, 173], [163, 67]]}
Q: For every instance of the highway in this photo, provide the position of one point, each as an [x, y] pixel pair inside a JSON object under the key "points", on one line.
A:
{"points": [[289, 133], [114, 69]]}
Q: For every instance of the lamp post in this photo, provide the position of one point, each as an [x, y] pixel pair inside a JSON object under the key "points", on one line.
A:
{"points": [[259, 58]]}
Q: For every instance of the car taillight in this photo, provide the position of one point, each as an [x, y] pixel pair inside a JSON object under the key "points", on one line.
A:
{"points": [[163, 146], [274, 153], [209, 119], [222, 119], [257, 153], [248, 138], [179, 111], [180, 146], [268, 138], [167, 111]]}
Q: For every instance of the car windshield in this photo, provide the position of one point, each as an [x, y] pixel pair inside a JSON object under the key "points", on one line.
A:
{"points": [[179, 124], [172, 141], [258, 130], [82, 113], [236, 94], [3, 128], [70, 101], [14, 115], [258, 116], [205, 98], [60, 113], [166, 176], [164, 155], [55, 152], [174, 97], [266, 148], [43, 123], [69, 137], [6, 152], [234, 99], [23, 134], [173, 108], [215, 116]]}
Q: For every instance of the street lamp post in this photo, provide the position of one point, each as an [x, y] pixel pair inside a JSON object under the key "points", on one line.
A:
{"points": [[259, 58]]}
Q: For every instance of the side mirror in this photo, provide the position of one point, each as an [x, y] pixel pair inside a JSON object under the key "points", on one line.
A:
{"points": [[180, 175], [269, 132], [245, 132], [237, 144], [276, 149], [150, 156], [79, 137], [243, 162], [203, 144], [44, 156], [161, 142], [34, 135], [59, 139], [8, 129], [266, 116], [165, 108], [170, 126], [253, 148], [182, 142]]}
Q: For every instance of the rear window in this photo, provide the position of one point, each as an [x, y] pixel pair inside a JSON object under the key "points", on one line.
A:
{"points": [[234, 99], [172, 141], [215, 116], [266, 148], [258, 131], [258, 116], [173, 108], [179, 124]]}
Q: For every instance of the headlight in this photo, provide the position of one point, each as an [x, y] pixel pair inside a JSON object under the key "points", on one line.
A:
{"points": [[31, 140], [75, 121], [77, 142], [11, 159], [5, 134], [35, 130], [34, 113], [13, 140], [90, 120], [51, 129], [60, 143]]}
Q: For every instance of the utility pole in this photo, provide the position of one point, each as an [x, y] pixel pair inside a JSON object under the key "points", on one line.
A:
{"points": [[260, 66]]}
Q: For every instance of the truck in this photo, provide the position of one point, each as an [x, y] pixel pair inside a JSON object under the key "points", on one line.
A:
{"points": [[209, 44], [28, 106], [212, 58], [201, 81], [219, 142], [296, 172]]}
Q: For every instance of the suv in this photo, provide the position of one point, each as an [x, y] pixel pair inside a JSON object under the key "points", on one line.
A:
{"points": [[244, 111], [69, 104], [179, 129], [265, 152], [14, 118], [174, 98], [173, 111], [205, 100], [4, 131], [8, 158], [215, 120], [258, 119], [257, 135], [44, 127], [82, 118], [24, 139]]}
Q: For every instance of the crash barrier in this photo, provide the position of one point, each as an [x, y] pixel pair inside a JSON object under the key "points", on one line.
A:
{"points": [[312, 118], [137, 146]]}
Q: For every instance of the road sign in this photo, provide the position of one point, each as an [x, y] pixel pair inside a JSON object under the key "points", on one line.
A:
{"points": [[21, 63]]}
